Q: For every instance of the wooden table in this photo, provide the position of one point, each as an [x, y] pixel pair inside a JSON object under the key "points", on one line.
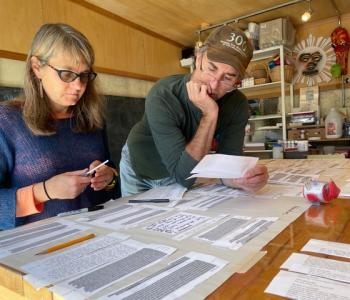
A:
{"points": [[327, 222]]}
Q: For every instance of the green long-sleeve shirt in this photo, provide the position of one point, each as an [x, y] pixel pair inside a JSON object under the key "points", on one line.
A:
{"points": [[157, 143]]}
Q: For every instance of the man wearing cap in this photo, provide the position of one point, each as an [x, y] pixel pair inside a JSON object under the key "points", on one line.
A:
{"points": [[186, 114]]}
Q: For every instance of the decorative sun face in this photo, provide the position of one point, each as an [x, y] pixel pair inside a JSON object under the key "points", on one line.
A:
{"points": [[314, 59]]}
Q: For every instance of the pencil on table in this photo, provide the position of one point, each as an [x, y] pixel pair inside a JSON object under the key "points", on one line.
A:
{"points": [[67, 244]]}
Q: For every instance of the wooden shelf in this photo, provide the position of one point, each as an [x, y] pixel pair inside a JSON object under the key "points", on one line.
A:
{"points": [[329, 140], [262, 128], [263, 87], [268, 52], [265, 117], [305, 126], [257, 151]]}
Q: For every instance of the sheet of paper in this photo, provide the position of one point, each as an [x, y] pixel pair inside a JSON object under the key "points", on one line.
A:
{"points": [[172, 192], [305, 287], [28, 237], [129, 217], [345, 191], [217, 189], [103, 213], [303, 170], [219, 231], [278, 177], [223, 166], [175, 280], [325, 247], [134, 257], [177, 223], [203, 202], [76, 260], [318, 266], [245, 233]]}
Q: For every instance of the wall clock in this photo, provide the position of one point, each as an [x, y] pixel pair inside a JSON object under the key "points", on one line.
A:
{"points": [[314, 58]]}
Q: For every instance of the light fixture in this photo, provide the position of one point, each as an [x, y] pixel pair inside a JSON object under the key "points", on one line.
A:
{"points": [[307, 15], [199, 43]]}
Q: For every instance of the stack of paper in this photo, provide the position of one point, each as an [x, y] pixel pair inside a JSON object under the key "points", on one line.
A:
{"points": [[223, 166], [313, 278]]}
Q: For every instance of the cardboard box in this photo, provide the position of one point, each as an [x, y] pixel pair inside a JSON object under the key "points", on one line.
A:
{"points": [[276, 32], [295, 134]]}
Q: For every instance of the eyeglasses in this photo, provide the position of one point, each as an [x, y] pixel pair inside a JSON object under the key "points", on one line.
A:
{"points": [[228, 82], [69, 76]]}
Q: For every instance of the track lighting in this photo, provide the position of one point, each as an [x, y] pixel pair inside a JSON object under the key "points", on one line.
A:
{"points": [[307, 14]]}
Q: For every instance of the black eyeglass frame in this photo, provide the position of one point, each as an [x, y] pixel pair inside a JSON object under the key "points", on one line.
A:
{"points": [[84, 77]]}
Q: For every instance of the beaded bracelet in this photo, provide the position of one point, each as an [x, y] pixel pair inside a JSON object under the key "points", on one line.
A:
{"points": [[47, 195]]}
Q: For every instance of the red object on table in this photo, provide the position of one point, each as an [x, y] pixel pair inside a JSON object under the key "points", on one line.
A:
{"points": [[319, 191]]}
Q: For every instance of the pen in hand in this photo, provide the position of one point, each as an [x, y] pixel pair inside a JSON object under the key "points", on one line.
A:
{"points": [[67, 244], [92, 171]]}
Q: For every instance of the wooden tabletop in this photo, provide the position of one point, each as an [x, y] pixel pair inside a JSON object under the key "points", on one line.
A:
{"points": [[329, 222]]}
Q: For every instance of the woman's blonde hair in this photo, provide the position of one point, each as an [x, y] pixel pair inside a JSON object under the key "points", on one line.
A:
{"points": [[89, 111]]}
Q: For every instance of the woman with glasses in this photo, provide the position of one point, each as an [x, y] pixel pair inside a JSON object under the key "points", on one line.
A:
{"points": [[54, 133], [186, 114]]}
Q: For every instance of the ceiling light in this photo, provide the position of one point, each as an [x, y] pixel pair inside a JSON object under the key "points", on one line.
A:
{"points": [[307, 15]]}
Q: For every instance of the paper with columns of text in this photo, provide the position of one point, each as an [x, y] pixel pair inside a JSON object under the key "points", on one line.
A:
{"points": [[305, 287], [223, 166]]}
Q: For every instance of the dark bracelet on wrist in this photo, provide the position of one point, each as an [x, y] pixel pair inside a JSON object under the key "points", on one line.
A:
{"points": [[45, 190]]}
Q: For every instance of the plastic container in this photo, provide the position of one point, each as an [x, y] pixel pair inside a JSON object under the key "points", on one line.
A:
{"points": [[277, 151], [334, 124]]}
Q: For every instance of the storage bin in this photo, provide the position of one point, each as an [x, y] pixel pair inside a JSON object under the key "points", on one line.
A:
{"points": [[275, 73], [276, 32], [260, 73]]}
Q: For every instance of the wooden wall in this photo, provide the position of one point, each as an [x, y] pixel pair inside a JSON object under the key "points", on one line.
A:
{"points": [[121, 48]]}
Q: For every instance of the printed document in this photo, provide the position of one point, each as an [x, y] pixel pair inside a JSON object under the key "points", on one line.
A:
{"points": [[76, 260], [172, 192], [173, 281], [29, 237], [306, 287], [130, 256], [330, 248], [223, 166], [318, 266]]}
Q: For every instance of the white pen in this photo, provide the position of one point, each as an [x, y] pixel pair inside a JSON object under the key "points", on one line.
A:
{"points": [[90, 172]]}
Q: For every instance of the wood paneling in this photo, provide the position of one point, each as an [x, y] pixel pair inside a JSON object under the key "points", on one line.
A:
{"points": [[19, 20], [180, 19], [120, 49]]}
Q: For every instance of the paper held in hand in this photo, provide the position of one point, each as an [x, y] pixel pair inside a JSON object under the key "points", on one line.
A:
{"points": [[223, 166]]}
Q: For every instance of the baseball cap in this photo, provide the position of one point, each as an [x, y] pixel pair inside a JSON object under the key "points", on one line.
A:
{"points": [[229, 45]]}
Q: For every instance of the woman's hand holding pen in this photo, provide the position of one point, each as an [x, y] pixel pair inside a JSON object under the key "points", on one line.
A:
{"points": [[252, 181], [103, 176], [67, 185]]}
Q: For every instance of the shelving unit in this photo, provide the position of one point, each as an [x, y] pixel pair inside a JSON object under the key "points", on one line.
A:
{"points": [[264, 88]]}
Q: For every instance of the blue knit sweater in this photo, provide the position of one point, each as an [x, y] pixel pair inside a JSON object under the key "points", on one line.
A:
{"points": [[26, 159]]}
